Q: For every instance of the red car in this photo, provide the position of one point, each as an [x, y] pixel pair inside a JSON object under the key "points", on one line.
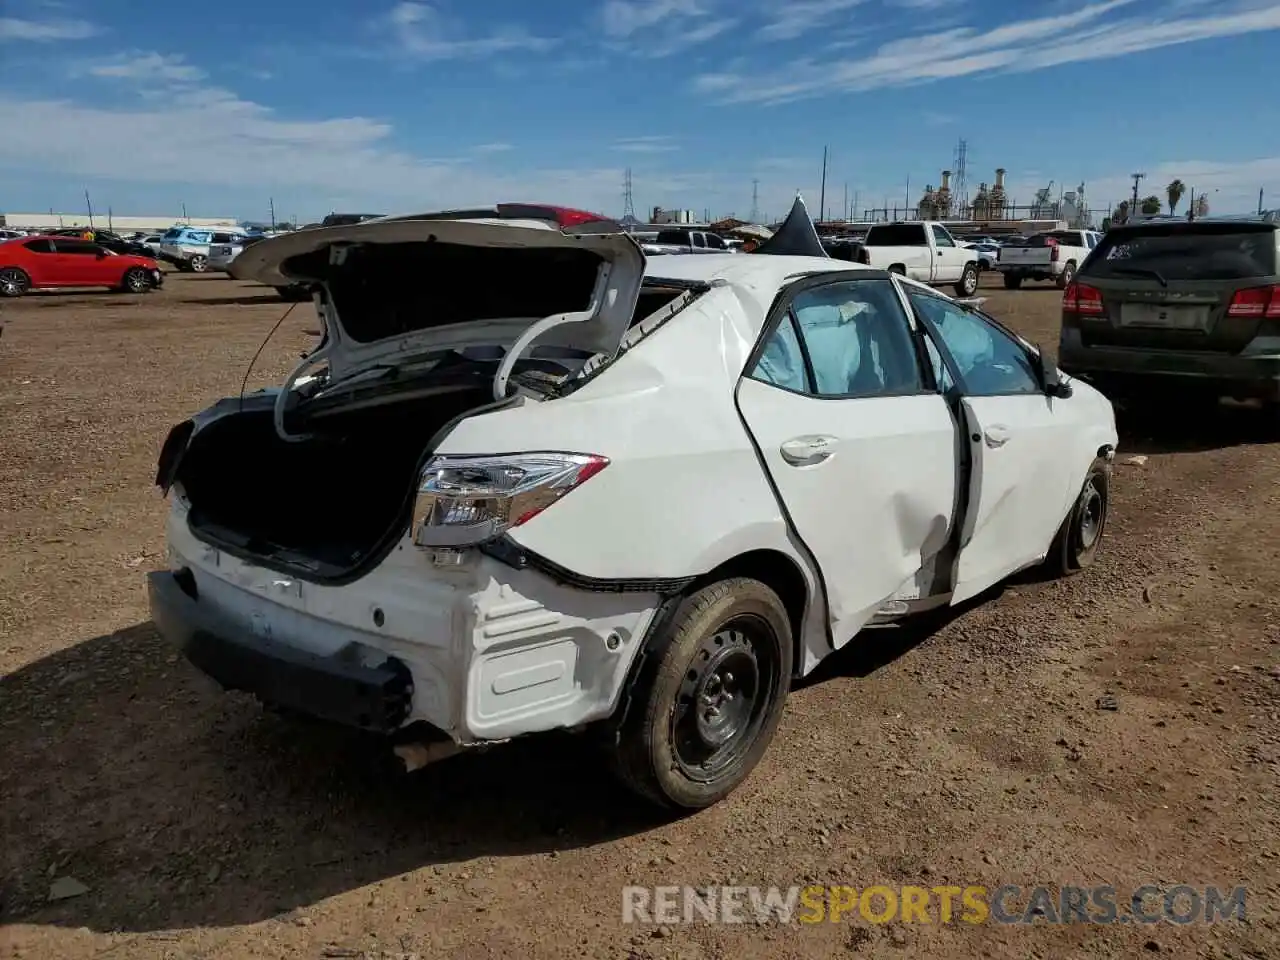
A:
{"points": [[31, 263]]}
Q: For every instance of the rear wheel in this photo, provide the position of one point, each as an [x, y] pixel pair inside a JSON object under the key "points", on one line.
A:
{"points": [[898, 269], [136, 280], [1067, 275], [967, 285], [199, 263], [1012, 282], [707, 712], [1076, 544], [14, 282]]}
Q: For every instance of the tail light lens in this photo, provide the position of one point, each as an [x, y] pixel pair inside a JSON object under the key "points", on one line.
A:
{"points": [[1082, 298], [1256, 302], [1054, 250], [464, 501]]}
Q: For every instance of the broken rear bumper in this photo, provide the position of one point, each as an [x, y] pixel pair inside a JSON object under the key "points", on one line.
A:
{"points": [[330, 688]]}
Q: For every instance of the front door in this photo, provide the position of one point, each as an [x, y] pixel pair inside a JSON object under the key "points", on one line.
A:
{"points": [[1015, 438], [948, 261], [85, 264], [862, 454]]}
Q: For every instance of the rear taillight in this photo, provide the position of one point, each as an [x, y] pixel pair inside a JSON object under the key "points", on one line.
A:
{"points": [[1256, 302], [1054, 250], [564, 217], [1082, 298], [463, 501]]}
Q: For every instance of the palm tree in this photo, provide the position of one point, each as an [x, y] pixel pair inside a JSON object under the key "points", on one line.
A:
{"points": [[1151, 205], [1174, 192]]}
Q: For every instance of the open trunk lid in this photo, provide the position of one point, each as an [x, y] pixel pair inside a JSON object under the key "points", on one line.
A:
{"points": [[397, 288], [1171, 285]]}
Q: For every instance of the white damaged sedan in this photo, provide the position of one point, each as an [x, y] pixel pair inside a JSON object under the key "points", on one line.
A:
{"points": [[522, 485]]}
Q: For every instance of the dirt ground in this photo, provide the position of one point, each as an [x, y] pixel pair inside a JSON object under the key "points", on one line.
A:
{"points": [[201, 826]]}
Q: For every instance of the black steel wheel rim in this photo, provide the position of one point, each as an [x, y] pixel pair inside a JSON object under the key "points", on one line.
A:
{"points": [[724, 698], [1091, 515]]}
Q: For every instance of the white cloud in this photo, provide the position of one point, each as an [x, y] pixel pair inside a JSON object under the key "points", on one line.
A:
{"points": [[660, 28], [789, 20], [45, 31], [145, 68], [624, 18], [423, 33], [1084, 33], [654, 144], [492, 147]]}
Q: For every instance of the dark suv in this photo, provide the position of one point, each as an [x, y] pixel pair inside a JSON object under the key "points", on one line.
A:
{"points": [[1194, 305]]}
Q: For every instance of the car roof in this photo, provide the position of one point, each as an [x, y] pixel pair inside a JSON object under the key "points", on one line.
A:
{"points": [[746, 269]]}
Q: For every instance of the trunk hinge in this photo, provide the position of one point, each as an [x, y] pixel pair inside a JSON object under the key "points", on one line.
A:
{"points": [[320, 355], [503, 377]]}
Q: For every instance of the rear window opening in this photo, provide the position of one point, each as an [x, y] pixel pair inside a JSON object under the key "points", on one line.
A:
{"points": [[1218, 251], [895, 235]]}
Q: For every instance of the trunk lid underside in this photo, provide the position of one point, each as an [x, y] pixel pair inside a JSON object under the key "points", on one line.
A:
{"points": [[393, 289]]}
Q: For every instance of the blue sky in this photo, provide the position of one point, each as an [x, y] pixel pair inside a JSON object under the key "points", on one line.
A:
{"points": [[393, 106]]}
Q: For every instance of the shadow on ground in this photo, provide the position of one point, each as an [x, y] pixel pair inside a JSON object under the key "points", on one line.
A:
{"points": [[243, 300], [178, 805], [1188, 427]]}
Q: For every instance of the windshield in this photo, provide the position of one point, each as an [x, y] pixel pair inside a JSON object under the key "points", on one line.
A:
{"points": [[1180, 252]]}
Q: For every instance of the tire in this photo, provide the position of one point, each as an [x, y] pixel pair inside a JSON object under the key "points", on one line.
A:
{"points": [[967, 286], [667, 753], [1067, 275], [898, 269], [1012, 282], [1075, 546], [136, 280], [14, 282], [198, 263]]}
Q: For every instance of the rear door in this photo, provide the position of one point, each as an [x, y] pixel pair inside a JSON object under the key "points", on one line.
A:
{"points": [[1016, 437], [1170, 285], [861, 449]]}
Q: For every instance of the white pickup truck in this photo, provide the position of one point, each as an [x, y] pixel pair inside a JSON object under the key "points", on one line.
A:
{"points": [[1054, 255], [686, 241], [922, 250]]}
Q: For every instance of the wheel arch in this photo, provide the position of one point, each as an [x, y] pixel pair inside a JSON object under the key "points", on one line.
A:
{"points": [[775, 569]]}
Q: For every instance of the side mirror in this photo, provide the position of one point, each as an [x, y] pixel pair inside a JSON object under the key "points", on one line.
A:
{"points": [[1051, 380]]}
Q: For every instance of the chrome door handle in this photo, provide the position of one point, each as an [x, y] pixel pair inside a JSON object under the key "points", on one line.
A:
{"points": [[807, 451], [996, 435]]}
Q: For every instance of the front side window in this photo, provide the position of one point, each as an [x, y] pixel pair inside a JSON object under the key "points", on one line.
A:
{"points": [[855, 338], [991, 363], [941, 238]]}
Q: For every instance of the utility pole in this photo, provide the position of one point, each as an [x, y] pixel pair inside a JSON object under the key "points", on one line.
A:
{"points": [[906, 198], [822, 196], [628, 202], [1260, 190], [88, 204], [755, 201], [272, 202], [1191, 207], [854, 209], [1137, 178]]}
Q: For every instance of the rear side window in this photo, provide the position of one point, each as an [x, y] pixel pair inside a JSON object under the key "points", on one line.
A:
{"points": [[223, 238], [849, 339], [40, 246], [1209, 252], [896, 235], [173, 234]]}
